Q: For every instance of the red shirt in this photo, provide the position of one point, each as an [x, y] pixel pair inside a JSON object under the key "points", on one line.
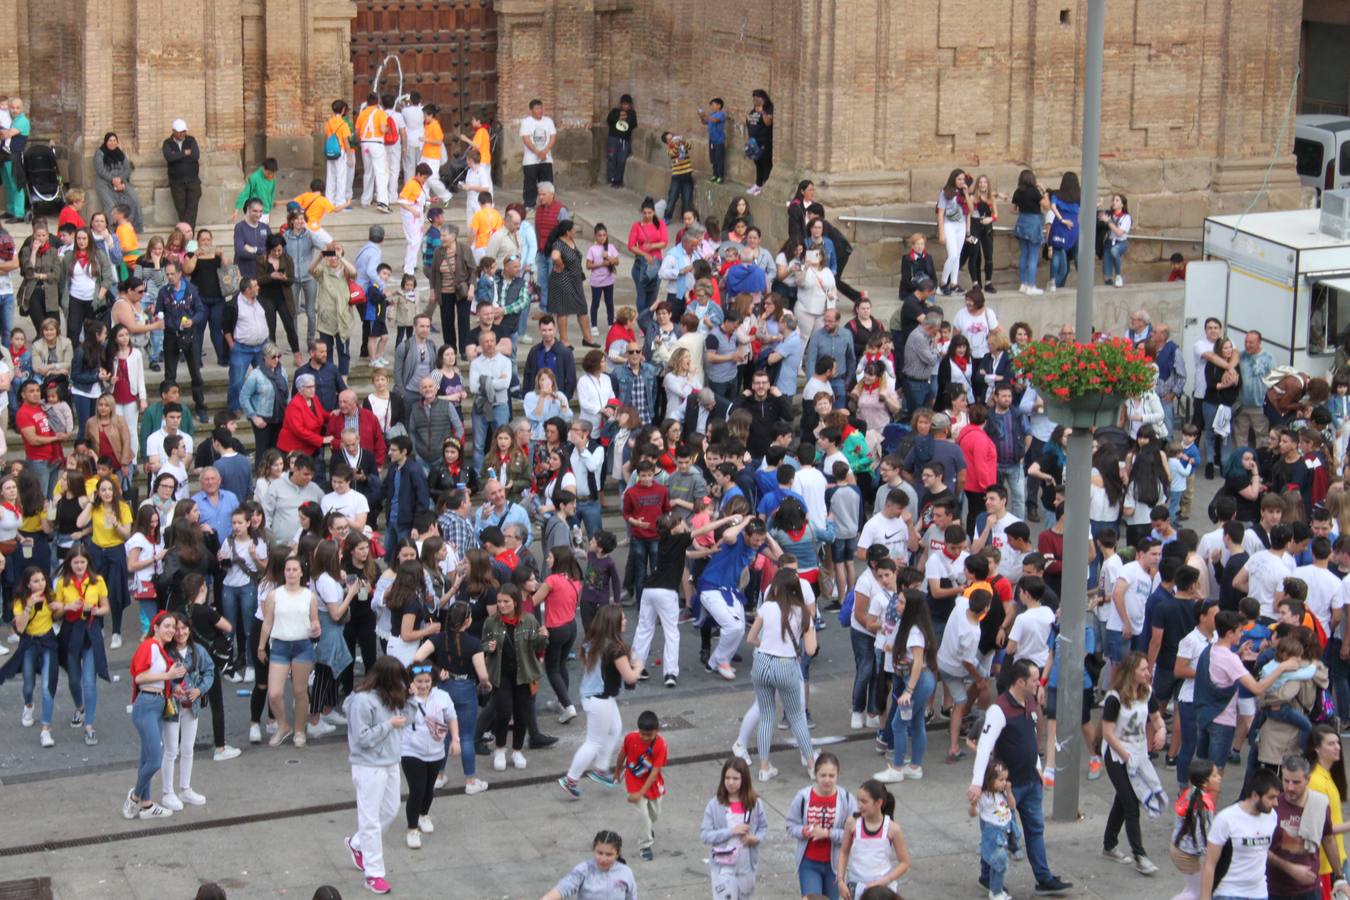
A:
{"points": [[820, 814], [639, 758], [72, 215], [647, 504], [33, 417]]}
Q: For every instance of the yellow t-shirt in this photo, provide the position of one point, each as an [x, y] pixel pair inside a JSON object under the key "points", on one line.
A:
{"points": [[483, 225], [315, 206], [432, 137], [1320, 781], [371, 124], [338, 125], [41, 621], [105, 536], [483, 143], [69, 596], [412, 191], [131, 246]]}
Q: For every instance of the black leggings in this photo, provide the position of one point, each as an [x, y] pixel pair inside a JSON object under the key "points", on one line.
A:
{"points": [[421, 777], [271, 306], [455, 321], [1124, 809], [764, 165], [359, 632], [213, 700], [980, 254], [512, 707], [179, 345], [560, 641], [257, 701]]}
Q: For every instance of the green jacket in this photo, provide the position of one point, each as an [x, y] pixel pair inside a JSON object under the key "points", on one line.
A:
{"points": [[259, 187], [528, 642]]}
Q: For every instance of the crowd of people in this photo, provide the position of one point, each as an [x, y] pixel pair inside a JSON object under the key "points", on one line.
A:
{"points": [[765, 449]]}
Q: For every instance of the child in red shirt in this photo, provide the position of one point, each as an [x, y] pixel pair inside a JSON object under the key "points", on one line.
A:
{"points": [[641, 758]]}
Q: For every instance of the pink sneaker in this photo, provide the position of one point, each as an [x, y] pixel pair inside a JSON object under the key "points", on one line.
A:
{"points": [[378, 886], [357, 859]]}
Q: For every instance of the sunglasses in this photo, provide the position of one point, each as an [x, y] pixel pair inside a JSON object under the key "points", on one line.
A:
{"points": [[420, 670]]}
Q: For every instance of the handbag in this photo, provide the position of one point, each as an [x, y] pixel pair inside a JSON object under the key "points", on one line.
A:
{"points": [[1223, 421], [355, 296], [229, 279], [170, 705]]}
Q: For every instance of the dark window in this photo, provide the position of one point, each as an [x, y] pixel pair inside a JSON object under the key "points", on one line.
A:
{"points": [[1308, 157]]}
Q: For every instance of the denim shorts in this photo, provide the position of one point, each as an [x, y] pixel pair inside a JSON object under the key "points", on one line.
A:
{"points": [[842, 550], [281, 653], [957, 686]]}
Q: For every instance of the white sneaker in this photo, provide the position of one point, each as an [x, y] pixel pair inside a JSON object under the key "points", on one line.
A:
{"points": [[1001, 895], [171, 801], [567, 715], [517, 759], [27, 718], [890, 775], [272, 727], [414, 839], [319, 730], [334, 718], [477, 786], [234, 678], [913, 773], [191, 797], [741, 752], [222, 754], [1021, 288], [255, 733], [425, 825], [116, 642], [1120, 282], [1142, 864], [13, 639], [154, 811], [1035, 291], [1051, 286], [874, 721], [856, 721], [129, 806], [249, 674], [46, 739], [4, 651], [767, 774], [499, 760], [441, 781]]}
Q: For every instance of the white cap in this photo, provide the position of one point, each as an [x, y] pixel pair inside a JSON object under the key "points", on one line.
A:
{"points": [[179, 125]]}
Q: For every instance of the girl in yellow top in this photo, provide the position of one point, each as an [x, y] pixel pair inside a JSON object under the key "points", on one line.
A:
{"points": [[83, 598], [1328, 778], [110, 518], [33, 610]]}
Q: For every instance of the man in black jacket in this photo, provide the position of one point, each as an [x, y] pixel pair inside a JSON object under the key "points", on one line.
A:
{"points": [[405, 491], [551, 353], [184, 162], [702, 410], [766, 405]]}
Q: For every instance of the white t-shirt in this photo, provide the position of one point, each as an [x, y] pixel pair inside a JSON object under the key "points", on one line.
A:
{"points": [[865, 586], [1251, 837], [771, 640], [350, 504], [815, 385], [1266, 572], [997, 532], [940, 565], [810, 484], [1031, 631], [1138, 585], [1106, 581], [976, 328], [1190, 648], [243, 559], [960, 642], [538, 132], [329, 590], [141, 577], [1198, 349], [1210, 542], [1323, 588], [893, 534], [154, 444], [885, 638], [1341, 601]]}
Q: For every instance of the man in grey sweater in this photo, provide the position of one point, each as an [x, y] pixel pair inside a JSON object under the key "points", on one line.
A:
{"points": [[921, 358], [281, 503]]}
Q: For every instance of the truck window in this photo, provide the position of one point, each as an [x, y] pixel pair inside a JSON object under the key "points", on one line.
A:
{"points": [[1308, 157], [1344, 164], [1328, 318]]}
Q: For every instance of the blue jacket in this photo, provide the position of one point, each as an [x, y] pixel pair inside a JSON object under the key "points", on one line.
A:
{"points": [[258, 394], [625, 382], [413, 493], [175, 309]]}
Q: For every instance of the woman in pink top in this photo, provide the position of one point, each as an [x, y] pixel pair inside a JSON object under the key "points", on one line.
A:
{"points": [[646, 239], [559, 594], [602, 261]]}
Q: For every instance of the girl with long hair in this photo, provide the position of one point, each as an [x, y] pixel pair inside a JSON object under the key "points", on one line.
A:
{"points": [[557, 476], [83, 597], [759, 128], [1130, 729], [505, 462], [271, 467], [783, 633], [956, 368], [980, 244], [462, 669], [87, 374], [816, 819], [913, 655], [874, 852], [36, 613], [109, 517], [331, 657], [274, 574], [424, 748], [479, 589], [285, 646], [1147, 488], [566, 282], [606, 868], [734, 825], [376, 712], [953, 221], [607, 665], [187, 552], [126, 364], [411, 611], [1328, 778], [512, 639], [243, 556], [451, 470], [179, 733], [1195, 811], [153, 672], [1063, 237], [559, 595], [359, 565]]}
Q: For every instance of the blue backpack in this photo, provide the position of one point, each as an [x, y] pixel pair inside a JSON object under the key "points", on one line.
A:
{"points": [[332, 148], [846, 610]]}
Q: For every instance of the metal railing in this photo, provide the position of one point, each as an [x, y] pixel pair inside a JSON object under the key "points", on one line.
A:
{"points": [[1004, 229]]}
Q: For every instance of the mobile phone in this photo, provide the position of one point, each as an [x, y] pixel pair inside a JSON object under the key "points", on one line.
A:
{"points": [[330, 253]]}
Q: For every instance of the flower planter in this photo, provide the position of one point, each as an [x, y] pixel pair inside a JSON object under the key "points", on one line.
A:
{"points": [[1085, 411]]}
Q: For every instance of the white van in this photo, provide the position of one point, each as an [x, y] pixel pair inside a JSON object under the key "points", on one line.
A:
{"points": [[1322, 151]]}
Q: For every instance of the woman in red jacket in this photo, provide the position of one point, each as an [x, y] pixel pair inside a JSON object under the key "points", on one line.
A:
{"points": [[981, 462], [303, 425]]}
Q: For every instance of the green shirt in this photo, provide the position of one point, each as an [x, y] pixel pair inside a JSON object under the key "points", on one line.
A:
{"points": [[258, 187]]}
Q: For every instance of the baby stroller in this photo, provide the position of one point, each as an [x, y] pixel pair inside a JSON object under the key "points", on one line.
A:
{"points": [[46, 195]]}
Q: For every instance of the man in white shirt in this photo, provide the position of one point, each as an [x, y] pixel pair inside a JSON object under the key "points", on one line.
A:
{"points": [[489, 381], [809, 483], [154, 445], [538, 134], [414, 122], [1125, 618], [587, 465], [958, 661], [1323, 586], [1030, 634], [1264, 574], [342, 498], [1204, 345], [1212, 548], [1188, 653], [996, 521], [393, 153], [890, 528]]}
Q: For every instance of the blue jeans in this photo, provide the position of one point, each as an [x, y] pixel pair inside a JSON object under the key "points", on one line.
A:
{"points": [[239, 604], [717, 155], [1214, 742], [1169, 420], [242, 358], [1112, 254], [1059, 264], [1186, 750], [1115, 645], [464, 694], [913, 735], [146, 713], [38, 662], [1207, 436], [917, 393], [344, 352], [482, 429], [817, 879], [1029, 797], [993, 855], [643, 553], [84, 684], [1015, 478], [1029, 232], [617, 150], [542, 267], [646, 289], [864, 670], [589, 513], [84, 409], [7, 317]]}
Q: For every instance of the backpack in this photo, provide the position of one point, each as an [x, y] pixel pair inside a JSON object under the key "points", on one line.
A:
{"points": [[332, 148], [355, 296], [391, 136], [846, 611]]}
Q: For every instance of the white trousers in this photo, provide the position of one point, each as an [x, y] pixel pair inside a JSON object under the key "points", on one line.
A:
{"points": [[375, 183], [955, 234], [177, 738], [393, 155], [604, 730], [434, 185], [412, 154], [734, 882], [337, 186], [412, 233], [377, 806], [665, 605], [131, 414], [350, 174], [731, 619]]}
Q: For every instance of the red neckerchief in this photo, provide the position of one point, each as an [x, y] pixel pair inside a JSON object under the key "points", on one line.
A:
{"points": [[503, 460], [916, 256], [797, 535], [512, 621], [962, 362], [947, 553], [10, 506], [453, 468], [44, 248], [872, 388], [82, 257]]}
